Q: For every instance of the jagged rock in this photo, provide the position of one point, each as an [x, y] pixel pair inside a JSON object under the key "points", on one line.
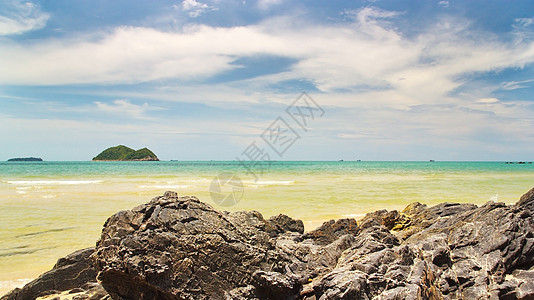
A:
{"points": [[331, 230], [73, 272], [527, 200], [283, 223], [449, 251], [180, 248]]}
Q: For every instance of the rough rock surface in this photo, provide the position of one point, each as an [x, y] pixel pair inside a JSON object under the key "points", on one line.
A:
{"points": [[180, 248], [73, 274]]}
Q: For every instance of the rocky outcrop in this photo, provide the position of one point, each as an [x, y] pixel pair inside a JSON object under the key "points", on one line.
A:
{"points": [[181, 248], [178, 247], [73, 274]]}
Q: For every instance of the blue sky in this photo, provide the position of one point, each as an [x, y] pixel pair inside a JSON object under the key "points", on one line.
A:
{"points": [[201, 80]]}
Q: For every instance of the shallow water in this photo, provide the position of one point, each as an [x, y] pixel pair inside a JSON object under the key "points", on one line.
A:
{"points": [[50, 209]]}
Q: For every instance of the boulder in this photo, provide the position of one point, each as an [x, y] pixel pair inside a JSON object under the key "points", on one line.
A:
{"points": [[181, 248], [72, 274]]}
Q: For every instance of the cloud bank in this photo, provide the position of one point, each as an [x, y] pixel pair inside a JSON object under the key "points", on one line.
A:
{"points": [[381, 86], [368, 51]]}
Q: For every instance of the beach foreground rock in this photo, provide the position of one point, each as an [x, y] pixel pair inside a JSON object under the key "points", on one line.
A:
{"points": [[74, 273], [181, 248]]}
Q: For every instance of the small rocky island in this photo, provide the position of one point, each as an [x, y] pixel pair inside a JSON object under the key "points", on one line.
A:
{"points": [[181, 248], [25, 159], [123, 153]]}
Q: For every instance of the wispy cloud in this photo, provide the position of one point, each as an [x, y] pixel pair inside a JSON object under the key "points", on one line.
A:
{"points": [[524, 22], [514, 85], [523, 29], [444, 3], [19, 16], [369, 51], [352, 135], [125, 107], [194, 8], [266, 4]]}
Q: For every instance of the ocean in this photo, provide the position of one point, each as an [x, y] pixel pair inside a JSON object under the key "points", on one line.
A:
{"points": [[50, 209]]}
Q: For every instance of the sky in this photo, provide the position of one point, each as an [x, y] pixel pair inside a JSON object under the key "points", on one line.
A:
{"points": [[214, 80]]}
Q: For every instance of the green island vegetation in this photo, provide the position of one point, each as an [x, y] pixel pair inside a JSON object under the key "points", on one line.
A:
{"points": [[123, 153]]}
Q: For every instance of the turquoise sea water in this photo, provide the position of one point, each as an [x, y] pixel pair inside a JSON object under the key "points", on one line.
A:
{"points": [[49, 209]]}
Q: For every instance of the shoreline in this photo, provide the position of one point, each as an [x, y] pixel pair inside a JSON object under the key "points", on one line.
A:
{"points": [[6, 286], [309, 226], [406, 226]]}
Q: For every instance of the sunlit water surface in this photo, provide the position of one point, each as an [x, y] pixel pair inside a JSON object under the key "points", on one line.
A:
{"points": [[50, 209]]}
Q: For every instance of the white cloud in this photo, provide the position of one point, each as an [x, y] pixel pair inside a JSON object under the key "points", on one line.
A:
{"points": [[127, 55], [195, 9], [488, 126], [125, 107], [523, 29], [370, 51], [524, 22], [514, 85], [266, 4], [170, 138], [443, 4], [372, 14], [19, 16], [352, 135], [487, 100]]}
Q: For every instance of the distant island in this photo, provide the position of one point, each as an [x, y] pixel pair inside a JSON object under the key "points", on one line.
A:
{"points": [[123, 153], [25, 159]]}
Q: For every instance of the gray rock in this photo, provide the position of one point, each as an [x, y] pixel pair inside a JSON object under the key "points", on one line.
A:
{"points": [[181, 248], [72, 272]]}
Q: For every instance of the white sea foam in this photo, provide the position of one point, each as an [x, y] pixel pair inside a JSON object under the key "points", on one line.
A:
{"points": [[202, 180], [354, 216], [11, 284], [53, 182], [269, 182], [162, 186], [188, 180]]}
